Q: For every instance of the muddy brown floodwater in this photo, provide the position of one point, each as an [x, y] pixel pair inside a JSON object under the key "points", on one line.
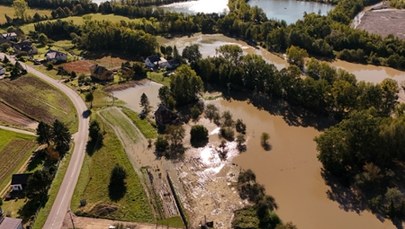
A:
{"points": [[208, 43], [291, 172]]}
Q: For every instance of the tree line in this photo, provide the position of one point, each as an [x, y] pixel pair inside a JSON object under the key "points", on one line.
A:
{"points": [[325, 90], [321, 36]]}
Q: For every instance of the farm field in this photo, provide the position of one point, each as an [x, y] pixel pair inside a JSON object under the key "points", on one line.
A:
{"points": [[11, 117], [10, 12], [47, 104], [95, 178], [15, 149]]}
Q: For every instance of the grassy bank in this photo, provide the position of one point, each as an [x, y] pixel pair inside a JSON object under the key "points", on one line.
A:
{"points": [[143, 125], [158, 77], [38, 100], [95, 178], [15, 149]]}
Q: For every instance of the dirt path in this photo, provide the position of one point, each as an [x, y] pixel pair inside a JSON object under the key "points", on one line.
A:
{"points": [[17, 130]]}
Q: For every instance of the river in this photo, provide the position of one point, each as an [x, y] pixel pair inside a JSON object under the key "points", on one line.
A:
{"points": [[287, 10]]}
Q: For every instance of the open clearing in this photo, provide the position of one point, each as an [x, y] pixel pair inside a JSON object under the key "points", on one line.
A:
{"points": [[79, 20], [95, 178], [15, 149], [10, 12], [36, 99], [384, 22]]}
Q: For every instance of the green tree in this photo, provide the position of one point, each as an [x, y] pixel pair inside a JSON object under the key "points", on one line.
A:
{"points": [[185, 85], [296, 55], [145, 104], [89, 98], [43, 39], [191, 54], [199, 136], [38, 183], [44, 133], [20, 8], [264, 140], [61, 137], [96, 137]]}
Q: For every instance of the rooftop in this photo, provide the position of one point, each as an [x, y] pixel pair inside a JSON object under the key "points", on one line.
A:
{"points": [[10, 223]]}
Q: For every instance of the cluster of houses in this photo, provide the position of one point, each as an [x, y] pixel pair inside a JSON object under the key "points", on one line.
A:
{"points": [[23, 46]]}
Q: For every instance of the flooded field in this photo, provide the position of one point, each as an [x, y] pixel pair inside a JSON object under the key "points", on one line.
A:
{"points": [[291, 172], [132, 96], [208, 43], [373, 74]]}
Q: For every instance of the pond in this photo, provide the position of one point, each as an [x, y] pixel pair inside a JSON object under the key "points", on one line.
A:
{"points": [[287, 10]]}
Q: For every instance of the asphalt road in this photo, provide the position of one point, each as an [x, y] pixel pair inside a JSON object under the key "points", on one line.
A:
{"points": [[62, 202]]}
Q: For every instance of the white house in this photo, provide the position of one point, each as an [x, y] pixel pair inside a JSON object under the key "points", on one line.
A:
{"points": [[53, 55]]}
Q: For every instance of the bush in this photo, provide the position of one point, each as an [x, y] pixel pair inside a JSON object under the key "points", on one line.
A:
{"points": [[264, 140], [199, 136], [227, 133], [49, 67], [240, 126]]}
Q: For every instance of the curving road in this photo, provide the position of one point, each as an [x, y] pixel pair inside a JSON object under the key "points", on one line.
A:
{"points": [[65, 193]]}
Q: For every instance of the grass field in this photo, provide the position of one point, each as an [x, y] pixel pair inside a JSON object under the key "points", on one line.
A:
{"points": [[79, 20], [158, 77], [118, 120], [10, 12], [15, 149], [95, 178], [38, 100], [143, 125]]}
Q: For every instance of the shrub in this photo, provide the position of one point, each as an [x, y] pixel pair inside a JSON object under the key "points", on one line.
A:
{"points": [[199, 136], [227, 133]]}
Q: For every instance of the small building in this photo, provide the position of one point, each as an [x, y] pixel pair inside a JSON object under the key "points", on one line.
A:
{"points": [[9, 223], [172, 64], [155, 62], [53, 55], [10, 36], [19, 181], [101, 73]]}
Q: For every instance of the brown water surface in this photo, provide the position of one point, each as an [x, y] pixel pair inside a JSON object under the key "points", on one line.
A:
{"points": [[291, 172]]}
